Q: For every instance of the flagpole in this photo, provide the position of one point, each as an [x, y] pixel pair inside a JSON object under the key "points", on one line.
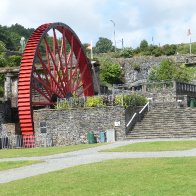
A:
{"points": [[190, 49], [189, 34], [91, 50]]}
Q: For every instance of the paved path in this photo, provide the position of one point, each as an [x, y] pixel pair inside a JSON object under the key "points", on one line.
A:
{"points": [[91, 155]]}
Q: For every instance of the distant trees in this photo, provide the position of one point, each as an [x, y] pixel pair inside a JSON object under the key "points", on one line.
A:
{"points": [[126, 53], [11, 36], [103, 45], [143, 45]]}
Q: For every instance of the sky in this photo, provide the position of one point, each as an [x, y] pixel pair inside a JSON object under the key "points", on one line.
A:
{"points": [[157, 21]]}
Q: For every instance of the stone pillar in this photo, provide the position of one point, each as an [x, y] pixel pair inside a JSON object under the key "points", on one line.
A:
{"points": [[95, 75], [8, 86]]}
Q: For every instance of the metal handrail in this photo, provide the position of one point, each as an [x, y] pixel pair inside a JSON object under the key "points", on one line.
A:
{"points": [[131, 119], [147, 104]]}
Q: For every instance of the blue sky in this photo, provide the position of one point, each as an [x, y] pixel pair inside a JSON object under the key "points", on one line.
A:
{"points": [[167, 21]]}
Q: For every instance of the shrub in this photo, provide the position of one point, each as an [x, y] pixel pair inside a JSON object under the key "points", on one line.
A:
{"points": [[3, 61], [136, 67], [130, 100], [126, 53], [94, 101], [109, 71], [100, 101], [14, 61]]}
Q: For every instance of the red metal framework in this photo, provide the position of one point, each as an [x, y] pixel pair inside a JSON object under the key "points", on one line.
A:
{"points": [[53, 66]]}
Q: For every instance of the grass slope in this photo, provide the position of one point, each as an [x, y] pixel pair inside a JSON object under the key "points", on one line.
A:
{"points": [[32, 152], [15, 164], [153, 176], [156, 146]]}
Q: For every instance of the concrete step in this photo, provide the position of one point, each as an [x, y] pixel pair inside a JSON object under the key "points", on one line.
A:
{"points": [[166, 121]]}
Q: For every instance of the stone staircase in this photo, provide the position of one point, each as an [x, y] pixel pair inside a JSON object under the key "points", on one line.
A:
{"points": [[166, 121]]}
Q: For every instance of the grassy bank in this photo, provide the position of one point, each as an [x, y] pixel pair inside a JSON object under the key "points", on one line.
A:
{"points": [[156, 146], [152, 176], [32, 152]]}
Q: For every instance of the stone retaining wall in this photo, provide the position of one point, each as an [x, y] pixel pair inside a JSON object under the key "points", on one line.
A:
{"points": [[66, 127], [145, 63]]}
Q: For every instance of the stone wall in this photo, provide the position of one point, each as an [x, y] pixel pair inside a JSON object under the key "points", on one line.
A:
{"points": [[135, 77], [66, 127]]}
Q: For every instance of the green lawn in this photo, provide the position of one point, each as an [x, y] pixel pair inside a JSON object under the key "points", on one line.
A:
{"points": [[15, 164], [146, 176], [32, 152], [156, 146]]}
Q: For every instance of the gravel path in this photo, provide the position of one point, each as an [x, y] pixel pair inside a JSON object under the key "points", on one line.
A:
{"points": [[91, 155]]}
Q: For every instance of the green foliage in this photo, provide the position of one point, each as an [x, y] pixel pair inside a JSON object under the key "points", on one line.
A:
{"points": [[130, 100], [11, 61], [143, 45], [109, 71], [126, 53], [168, 70], [2, 47], [5, 38], [11, 36], [169, 49], [14, 61], [63, 104], [101, 101], [3, 61], [157, 52], [136, 67], [185, 48], [103, 45], [94, 101]]}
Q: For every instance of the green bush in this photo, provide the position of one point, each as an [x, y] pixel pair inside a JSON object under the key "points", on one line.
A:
{"points": [[126, 53], [169, 70], [136, 67], [109, 71], [63, 105], [3, 62], [94, 101], [157, 52], [130, 100], [100, 101], [14, 61]]}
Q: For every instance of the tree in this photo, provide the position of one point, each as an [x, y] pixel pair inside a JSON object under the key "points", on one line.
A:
{"points": [[143, 45], [168, 70], [2, 47], [126, 53], [169, 49], [109, 72], [5, 38], [103, 45]]}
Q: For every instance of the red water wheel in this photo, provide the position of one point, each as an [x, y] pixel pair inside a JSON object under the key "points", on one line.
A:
{"points": [[53, 66]]}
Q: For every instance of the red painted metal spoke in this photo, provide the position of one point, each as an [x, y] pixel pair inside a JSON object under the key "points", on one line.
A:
{"points": [[41, 92], [42, 82], [54, 68], [60, 66], [51, 67], [48, 72]]}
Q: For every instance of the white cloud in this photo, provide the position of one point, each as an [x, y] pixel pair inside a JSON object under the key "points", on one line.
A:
{"points": [[167, 21]]}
